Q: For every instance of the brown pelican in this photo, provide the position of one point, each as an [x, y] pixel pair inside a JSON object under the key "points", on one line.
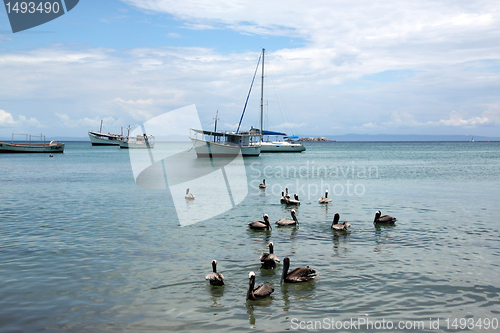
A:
{"points": [[283, 198], [288, 222], [326, 199], [299, 274], [263, 185], [339, 226], [269, 259], [386, 219], [216, 279], [189, 196], [259, 292], [295, 201], [262, 225]]}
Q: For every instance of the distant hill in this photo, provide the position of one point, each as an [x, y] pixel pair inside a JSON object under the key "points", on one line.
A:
{"points": [[404, 137]]}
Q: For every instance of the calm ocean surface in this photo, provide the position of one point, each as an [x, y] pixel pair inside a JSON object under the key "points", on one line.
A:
{"points": [[84, 249]]}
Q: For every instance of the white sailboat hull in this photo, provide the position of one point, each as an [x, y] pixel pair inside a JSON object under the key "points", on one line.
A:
{"points": [[281, 147]]}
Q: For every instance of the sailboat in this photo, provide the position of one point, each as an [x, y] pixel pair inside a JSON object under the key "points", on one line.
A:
{"points": [[276, 142]]}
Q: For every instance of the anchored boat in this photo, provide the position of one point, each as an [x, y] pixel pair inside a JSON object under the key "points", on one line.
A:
{"points": [[102, 139], [224, 144], [281, 143], [136, 142], [32, 146]]}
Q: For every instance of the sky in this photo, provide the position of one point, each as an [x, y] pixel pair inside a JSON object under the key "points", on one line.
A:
{"points": [[331, 67]]}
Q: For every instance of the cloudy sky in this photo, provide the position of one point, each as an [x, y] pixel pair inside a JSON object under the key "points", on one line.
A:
{"points": [[332, 67]]}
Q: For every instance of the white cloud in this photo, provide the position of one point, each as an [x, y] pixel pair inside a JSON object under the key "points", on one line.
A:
{"points": [[456, 119], [285, 126], [451, 48], [7, 120], [173, 35], [85, 123]]}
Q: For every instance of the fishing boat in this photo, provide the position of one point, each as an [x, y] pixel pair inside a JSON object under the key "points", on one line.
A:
{"points": [[32, 146], [224, 144], [102, 139], [137, 142]]}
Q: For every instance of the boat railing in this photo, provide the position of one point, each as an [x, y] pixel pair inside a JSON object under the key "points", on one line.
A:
{"points": [[29, 139]]}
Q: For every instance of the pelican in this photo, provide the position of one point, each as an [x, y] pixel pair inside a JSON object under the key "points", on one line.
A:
{"points": [[189, 196], [262, 225], [326, 199], [339, 226], [269, 259], [300, 274], [283, 198], [286, 194], [216, 279], [295, 201], [288, 222], [259, 292], [263, 185], [386, 219]]}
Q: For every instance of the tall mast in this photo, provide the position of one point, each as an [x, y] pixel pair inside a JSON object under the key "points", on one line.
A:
{"points": [[262, 98]]}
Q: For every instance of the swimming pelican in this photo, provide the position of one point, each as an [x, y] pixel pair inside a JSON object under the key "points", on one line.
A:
{"points": [[269, 259], [386, 219], [263, 185], [288, 222], [295, 201], [283, 198], [299, 274], [339, 226], [262, 225], [259, 292], [189, 196], [216, 279], [326, 199]]}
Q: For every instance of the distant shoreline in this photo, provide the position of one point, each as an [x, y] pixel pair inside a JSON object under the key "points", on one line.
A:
{"points": [[325, 138]]}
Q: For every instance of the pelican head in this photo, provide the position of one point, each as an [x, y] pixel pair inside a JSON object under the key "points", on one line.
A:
{"points": [[336, 218], [266, 221], [286, 266], [294, 216]]}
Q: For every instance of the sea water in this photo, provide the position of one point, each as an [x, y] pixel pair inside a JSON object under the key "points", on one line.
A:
{"points": [[83, 248]]}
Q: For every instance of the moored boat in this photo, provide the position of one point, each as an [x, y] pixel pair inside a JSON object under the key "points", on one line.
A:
{"points": [[102, 139], [32, 146], [281, 144], [137, 142], [224, 144]]}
